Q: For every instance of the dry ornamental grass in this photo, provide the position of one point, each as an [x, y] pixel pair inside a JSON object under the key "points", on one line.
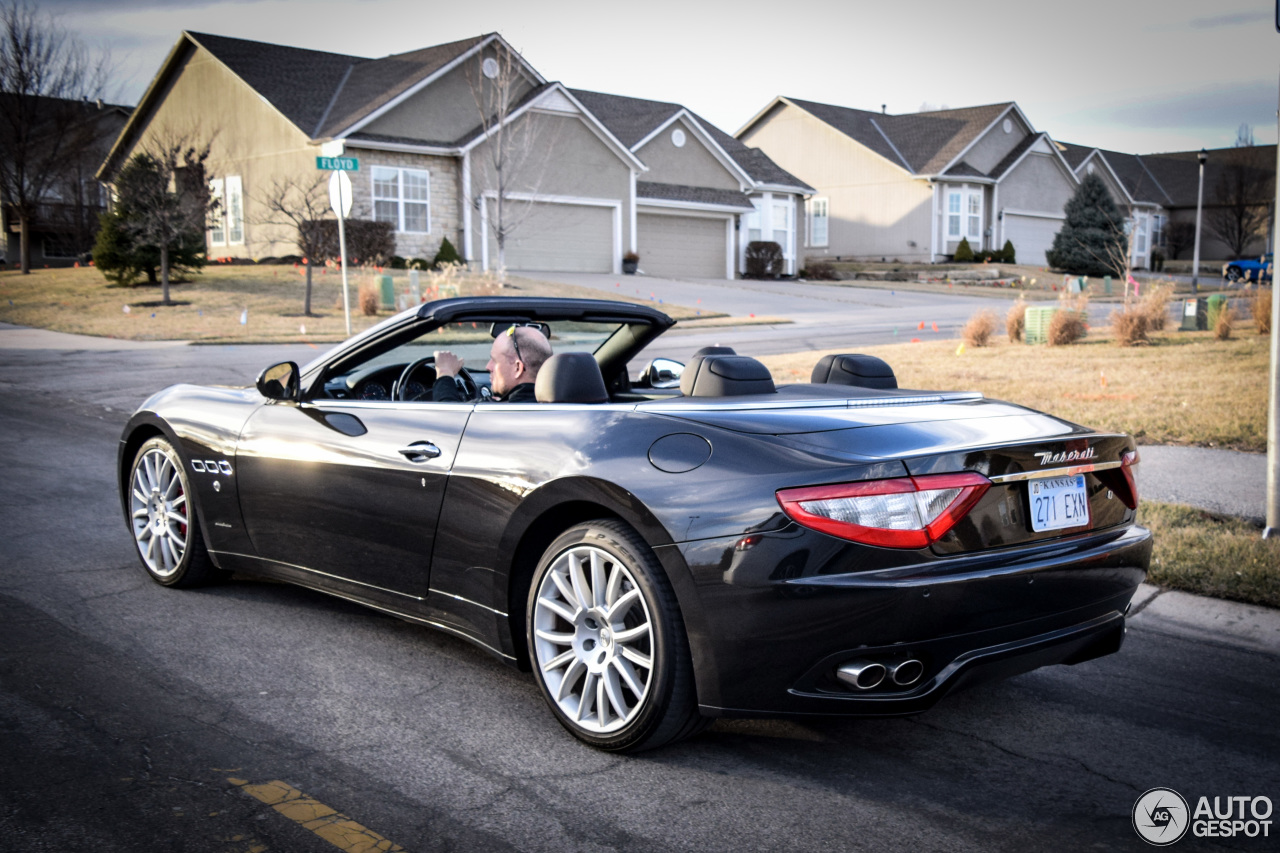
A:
{"points": [[978, 331], [1222, 326], [1130, 326], [1016, 320], [1260, 308]]}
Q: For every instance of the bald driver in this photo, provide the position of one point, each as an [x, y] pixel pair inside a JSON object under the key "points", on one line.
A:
{"points": [[514, 360]]}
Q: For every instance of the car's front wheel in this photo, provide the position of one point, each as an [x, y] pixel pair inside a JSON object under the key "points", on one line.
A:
{"points": [[163, 518], [1233, 273], [607, 642]]}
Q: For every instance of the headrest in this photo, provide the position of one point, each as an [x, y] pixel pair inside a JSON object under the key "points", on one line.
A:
{"points": [[715, 351], [570, 377], [725, 376], [864, 371]]}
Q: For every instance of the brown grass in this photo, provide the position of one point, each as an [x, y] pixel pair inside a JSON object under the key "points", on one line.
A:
{"points": [[1222, 326], [1185, 388], [209, 306], [1210, 554], [1130, 326], [1155, 304], [977, 332], [1016, 320], [1260, 309]]}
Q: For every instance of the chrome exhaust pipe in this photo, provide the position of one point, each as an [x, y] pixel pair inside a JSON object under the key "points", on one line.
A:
{"points": [[861, 674], [906, 672]]}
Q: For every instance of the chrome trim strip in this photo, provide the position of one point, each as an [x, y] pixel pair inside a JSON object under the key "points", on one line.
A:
{"points": [[436, 592], [722, 404], [1054, 472]]}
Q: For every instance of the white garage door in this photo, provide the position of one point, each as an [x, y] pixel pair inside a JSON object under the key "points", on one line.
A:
{"points": [[684, 246], [1031, 236], [558, 238]]}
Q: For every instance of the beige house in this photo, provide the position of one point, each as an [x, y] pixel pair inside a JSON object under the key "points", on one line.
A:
{"points": [[911, 186], [465, 141]]}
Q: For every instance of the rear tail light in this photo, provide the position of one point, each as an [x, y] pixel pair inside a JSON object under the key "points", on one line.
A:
{"points": [[1125, 485], [909, 512]]}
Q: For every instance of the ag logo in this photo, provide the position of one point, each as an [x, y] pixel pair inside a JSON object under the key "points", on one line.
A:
{"points": [[1160, 816]]}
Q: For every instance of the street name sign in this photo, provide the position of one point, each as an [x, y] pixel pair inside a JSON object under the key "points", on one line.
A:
{"points": [[338, 164]]}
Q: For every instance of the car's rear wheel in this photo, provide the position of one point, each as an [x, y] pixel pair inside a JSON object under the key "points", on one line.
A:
{"points": [[607, 642], [162, 515]]}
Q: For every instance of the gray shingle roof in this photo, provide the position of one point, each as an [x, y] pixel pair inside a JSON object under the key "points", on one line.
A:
{"points": [[698, 195], [1073, 154], [296, 81], [927, 141], [629, 119], [311, 86], [632, 119]]}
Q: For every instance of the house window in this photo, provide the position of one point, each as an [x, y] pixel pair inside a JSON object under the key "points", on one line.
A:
{"points": [[782, 226], [818, 208], [235, 211], [1140, 236], [751, 222], [217, 215], [1157, 229], [964, 215], [226, 223], [403, 198]]}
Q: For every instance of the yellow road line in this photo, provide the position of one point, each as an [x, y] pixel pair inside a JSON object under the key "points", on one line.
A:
{"points": [[336, 828]]}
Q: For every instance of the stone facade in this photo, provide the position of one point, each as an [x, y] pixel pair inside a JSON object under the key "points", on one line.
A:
{"points": [[445, 210]]}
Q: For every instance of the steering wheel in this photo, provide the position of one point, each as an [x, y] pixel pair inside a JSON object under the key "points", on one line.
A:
{"points": [[399, 389]]}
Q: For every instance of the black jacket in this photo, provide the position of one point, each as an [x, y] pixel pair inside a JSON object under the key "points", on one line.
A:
{"points": [[447, 391]]}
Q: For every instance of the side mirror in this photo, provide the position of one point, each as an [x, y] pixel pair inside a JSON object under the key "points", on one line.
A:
{"points": [[662, 373], [279, 381]]}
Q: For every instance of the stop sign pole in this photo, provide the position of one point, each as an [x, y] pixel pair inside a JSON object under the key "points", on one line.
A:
{"points": [[340, 201]]}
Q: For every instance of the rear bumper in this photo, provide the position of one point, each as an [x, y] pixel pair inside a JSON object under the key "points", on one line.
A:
{"points": [[771, 637]]}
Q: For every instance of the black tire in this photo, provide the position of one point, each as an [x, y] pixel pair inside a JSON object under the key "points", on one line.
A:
{"points": [[163, 519], [581, 666], [1233, 273]]}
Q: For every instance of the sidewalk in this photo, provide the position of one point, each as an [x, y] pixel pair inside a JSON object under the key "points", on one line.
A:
{"points": [[1225, 481]]}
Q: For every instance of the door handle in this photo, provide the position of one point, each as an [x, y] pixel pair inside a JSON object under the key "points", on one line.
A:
{"points": [[420, 451]]}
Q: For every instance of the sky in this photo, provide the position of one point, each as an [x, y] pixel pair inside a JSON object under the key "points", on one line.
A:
{"points": [[1140, 76]]}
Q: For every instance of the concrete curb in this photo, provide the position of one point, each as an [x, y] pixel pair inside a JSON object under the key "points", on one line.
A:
{"points": [[1211, 619]]}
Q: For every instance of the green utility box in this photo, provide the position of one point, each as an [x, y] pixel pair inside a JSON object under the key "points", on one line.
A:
{"points": [[1217, 304], [1037, 328], [1195, 314], [386, 291]]}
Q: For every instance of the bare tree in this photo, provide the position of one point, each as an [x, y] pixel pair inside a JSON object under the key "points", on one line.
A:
{"points": [[164, 200], [517, 152], [1178, 237], [301, 204], [46, 76], [1239, 210]]}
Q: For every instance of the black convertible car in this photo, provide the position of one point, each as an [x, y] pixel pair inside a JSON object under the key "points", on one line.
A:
{"points": [[688, 543]]}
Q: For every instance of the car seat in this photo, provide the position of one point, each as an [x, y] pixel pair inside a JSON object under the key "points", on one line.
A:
{"points": [[570, 377]]}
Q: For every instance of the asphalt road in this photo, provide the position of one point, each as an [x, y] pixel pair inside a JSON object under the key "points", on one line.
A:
{"points": [[126, 710]]}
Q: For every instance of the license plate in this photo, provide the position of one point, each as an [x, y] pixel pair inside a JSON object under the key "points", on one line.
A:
{"points": [[1058, 503]]}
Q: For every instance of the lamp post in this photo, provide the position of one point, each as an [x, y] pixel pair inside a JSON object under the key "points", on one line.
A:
{"points": [[1195, 260]]}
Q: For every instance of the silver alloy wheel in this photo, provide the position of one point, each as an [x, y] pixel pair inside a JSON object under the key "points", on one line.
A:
{"points": [[594, 639], [158, 508]]}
